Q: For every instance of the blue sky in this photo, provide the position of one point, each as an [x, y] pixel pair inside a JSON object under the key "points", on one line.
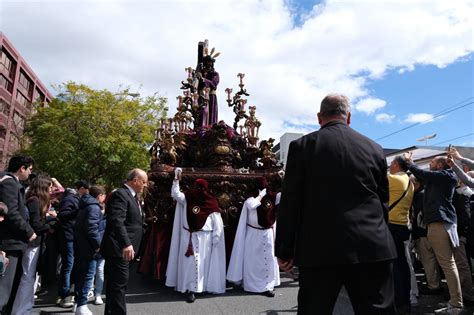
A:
{"points": [[399, 61], [428, 89]]}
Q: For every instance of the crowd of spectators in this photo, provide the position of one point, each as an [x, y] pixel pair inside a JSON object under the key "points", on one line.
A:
{"points": [[48, 233]]}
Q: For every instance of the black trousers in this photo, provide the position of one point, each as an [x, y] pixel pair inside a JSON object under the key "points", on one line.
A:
{"points": [[401, 270], [117, 270], [369, 285]]}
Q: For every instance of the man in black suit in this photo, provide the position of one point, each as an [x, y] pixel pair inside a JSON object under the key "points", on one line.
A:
{"points": [[332, 220], [15, 232], [122, 238]]}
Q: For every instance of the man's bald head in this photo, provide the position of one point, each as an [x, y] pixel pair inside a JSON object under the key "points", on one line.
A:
{"points": [[137, 179], [439, 163]]}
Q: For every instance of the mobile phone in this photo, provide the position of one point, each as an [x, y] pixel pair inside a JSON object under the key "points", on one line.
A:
{"points": [[449, 147]]}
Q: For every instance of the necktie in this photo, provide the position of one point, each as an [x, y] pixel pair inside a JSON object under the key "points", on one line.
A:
{"points": [[139, 205]]}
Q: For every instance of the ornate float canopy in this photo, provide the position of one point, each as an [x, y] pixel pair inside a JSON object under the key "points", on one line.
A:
{"points": [[190, 139], [231, 158]]}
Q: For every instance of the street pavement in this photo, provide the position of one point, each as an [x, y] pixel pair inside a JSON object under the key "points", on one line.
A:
{"points": [[145, 296]]}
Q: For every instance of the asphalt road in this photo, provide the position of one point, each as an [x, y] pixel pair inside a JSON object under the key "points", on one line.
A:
{"points": [[145, 296]]}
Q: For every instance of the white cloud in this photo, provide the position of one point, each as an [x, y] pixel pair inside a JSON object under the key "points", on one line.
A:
{"points": [[369, 105], [419, 118], [384, 117], [339, 47]]}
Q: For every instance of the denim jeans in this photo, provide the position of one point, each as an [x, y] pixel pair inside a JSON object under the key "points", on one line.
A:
{"points": [[24, 299], [99, 277], [67, 263], [85, 271]]}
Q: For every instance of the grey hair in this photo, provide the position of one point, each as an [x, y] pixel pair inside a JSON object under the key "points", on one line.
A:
{"points": [[136, 172], [335, 105]]}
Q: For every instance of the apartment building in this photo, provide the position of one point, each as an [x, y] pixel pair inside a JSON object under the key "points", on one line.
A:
{"points": [[21, 91]]}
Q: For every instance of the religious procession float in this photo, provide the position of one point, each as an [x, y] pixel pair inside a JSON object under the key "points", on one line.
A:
{"points": [[230, 158]]}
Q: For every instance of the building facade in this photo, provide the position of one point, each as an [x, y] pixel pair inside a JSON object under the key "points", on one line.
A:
{"points": [[281, 149], [20, 92]]}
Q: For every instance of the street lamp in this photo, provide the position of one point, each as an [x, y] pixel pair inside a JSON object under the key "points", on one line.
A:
{"points": [[425, 138], [127, 94], [133, 94]]}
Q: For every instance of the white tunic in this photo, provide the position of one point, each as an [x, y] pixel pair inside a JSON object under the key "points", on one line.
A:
{"points": [[253, 260], [205, 270]]}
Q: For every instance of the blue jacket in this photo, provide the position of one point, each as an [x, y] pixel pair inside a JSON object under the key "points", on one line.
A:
{"points": [[439, 190], [89, 227], [68, 212]]}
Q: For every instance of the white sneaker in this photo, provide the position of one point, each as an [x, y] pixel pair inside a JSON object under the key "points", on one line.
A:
{"points": [[83, 310], [98, 300], [449, 309], [67, 302]]}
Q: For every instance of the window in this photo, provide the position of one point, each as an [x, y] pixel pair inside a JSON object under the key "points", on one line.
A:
{"points": [[26, 83], [7, 62], [5, 83], [39, 96], [20, 98], [3, 132], [19, 121], [4, 107]]}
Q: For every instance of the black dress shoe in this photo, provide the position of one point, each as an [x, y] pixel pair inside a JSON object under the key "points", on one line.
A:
{"points": [[190, 298], [269, 293], [403, 309]]}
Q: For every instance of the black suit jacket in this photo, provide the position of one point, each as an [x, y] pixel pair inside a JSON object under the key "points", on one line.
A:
{"points": [[124, 224], [333, 207], [14, 230]]}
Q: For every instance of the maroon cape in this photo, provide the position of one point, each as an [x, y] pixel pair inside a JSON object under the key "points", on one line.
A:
{"points": [[266, 212], [200, 204]]}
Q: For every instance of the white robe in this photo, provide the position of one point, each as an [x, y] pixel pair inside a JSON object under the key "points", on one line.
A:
{"points": [[205, 270], [253, 260]]}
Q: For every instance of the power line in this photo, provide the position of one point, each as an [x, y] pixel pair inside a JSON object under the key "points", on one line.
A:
{"points": [[449, 140], [441, 113]]}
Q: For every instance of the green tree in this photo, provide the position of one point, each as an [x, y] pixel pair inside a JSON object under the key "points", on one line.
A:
{"points": [[93, 134]]}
